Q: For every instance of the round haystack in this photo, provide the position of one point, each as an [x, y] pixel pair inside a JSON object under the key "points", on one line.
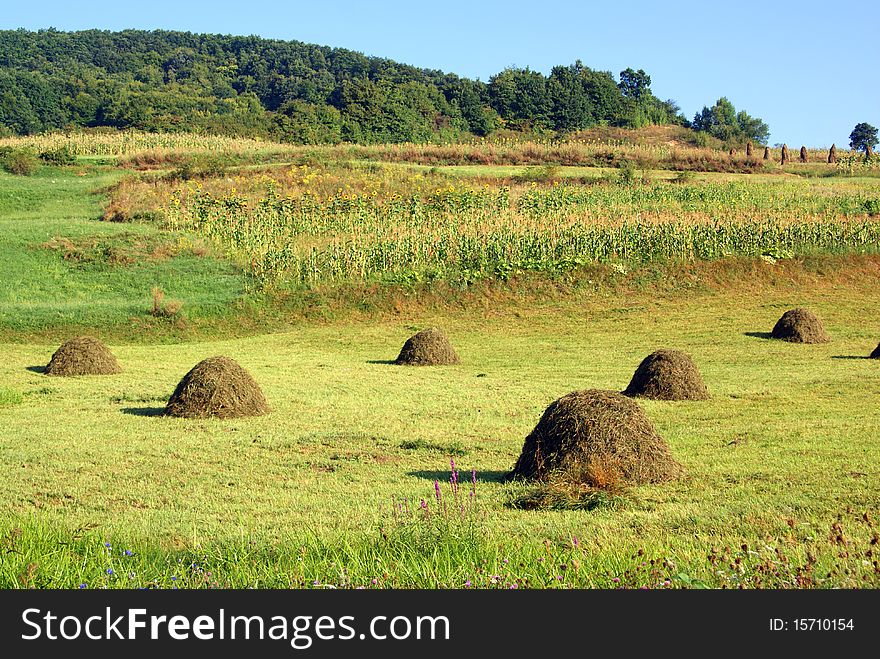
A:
{"points": [[217, 387], [83, 355], [668, 375], [800, 326], [876, 353], [596, 438], [430, 347]]}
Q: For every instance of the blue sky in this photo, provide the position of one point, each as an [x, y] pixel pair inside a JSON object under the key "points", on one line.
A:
{"points": [[809, 69]]}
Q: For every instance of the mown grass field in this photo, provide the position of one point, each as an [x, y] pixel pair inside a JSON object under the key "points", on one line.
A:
{"points": [[101, 490]]}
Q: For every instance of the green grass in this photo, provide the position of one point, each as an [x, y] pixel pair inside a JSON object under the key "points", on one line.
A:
{"points": [[781, 464], [785, 445], [41, 289]]}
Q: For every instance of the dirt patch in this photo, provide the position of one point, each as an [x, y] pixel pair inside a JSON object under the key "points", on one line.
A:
{"points": [[800, 326], [122, 249], [82, 355], [668, 375], [596, 438], [430, 347], [217, 387]]}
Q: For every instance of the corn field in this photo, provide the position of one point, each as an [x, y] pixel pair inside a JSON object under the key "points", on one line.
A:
{"points": [[122, 143], [473, 233]]}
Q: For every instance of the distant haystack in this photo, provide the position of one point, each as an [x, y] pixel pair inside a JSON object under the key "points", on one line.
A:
{"points": [[800, 326], [83, 355], [596, 438], [766, 153], [785, 157], [749, 148], [217, 387], [832, 155], [804, 154], [430, 347], [668, 375]]}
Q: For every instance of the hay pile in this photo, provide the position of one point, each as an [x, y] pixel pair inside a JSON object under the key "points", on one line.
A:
{"points": [[800, 326], [668, 375], [430, 347], [596, 438], [785, 157], [766, 153], [83, 355], [217, 387], [804, 156], [876, 353], [832, 154]]}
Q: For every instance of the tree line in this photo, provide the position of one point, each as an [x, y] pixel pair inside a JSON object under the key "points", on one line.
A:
{"points": [[304, 93]]}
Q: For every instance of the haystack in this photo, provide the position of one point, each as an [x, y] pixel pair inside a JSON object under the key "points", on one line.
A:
{"points": [[430, 347], [876, 353], [217, 387], [668, 375], [800, 326], [832, 154], [596, 438], [83, 355]]}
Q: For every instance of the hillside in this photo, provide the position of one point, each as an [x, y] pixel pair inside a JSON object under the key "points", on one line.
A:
{"points": [[292, 91]]}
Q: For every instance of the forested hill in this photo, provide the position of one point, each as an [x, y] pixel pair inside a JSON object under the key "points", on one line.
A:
{"points": [[292, 91]]}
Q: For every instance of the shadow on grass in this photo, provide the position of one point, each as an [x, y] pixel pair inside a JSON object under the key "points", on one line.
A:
{"points": [[381, 361], [463, 476], [144, 411], [850, 357], [759, 335], [36, 369]]}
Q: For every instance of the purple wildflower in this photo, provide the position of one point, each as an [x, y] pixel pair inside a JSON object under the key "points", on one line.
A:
{"points": [[423, 504], [128, 552], [575, 542], [82, 585], [109, 570], [437, 490]]}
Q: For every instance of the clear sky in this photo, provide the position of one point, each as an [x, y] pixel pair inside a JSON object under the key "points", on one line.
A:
{"points": [[809, 69]]}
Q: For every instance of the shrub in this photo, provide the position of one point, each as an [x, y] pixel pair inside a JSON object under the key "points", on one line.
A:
{"points": [[18, 162], [60, 156]]}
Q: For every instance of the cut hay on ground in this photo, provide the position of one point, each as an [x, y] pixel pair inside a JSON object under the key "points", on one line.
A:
{"points": [[83, 355], [668, 375], [597, 438], [217, 387], [800, 326], [430, 347]]}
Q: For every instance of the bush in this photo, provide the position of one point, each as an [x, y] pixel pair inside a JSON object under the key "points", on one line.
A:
{"points": [[60, 156], [17, 162]]}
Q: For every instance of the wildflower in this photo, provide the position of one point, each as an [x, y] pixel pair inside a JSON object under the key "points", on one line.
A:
{"points": [[109, 570], [616, 580], [437, 490], [128, 552], [467, 584], [82, 585], [423, 504], [574, 541], [513, 586], [374, 581], [107, 545]]}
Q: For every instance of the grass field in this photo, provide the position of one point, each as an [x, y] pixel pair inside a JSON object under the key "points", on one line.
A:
{"points": [[101, 490]]}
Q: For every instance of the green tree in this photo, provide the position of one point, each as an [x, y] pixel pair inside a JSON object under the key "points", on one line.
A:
{"points": [[634, 84], [724, 122], [863, 137]]}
